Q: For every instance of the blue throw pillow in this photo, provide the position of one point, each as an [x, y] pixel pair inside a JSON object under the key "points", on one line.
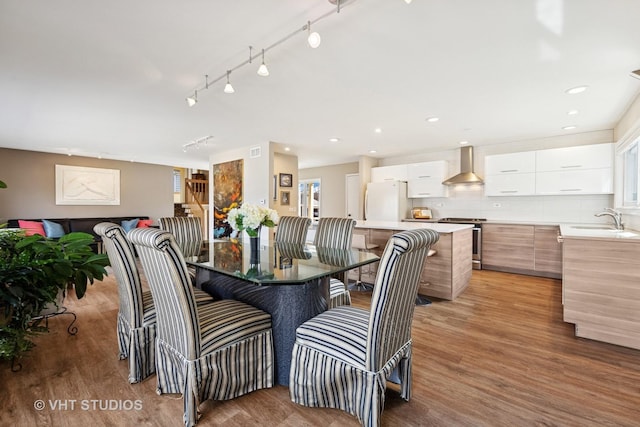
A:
{"points": [[129, 224], [53, 229]]}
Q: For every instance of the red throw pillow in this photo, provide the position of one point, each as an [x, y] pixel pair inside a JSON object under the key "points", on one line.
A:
{"points": [[31, 227], [145, 223]]}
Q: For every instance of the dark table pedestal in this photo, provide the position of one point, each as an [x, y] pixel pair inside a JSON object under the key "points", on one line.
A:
{"points": [[290, 305]]}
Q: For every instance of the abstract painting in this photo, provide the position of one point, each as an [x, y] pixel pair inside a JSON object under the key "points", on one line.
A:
{"points": [[227, 194]]}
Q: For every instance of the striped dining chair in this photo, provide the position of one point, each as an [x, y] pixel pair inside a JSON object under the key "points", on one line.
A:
{"points": [[136, 323], [219, 350], [292, 229], [188, 234], [187, 231], [343, 357], [335, 233]]}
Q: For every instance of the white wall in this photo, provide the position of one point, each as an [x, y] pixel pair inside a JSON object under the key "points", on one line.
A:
{"points": [[256, 182]]}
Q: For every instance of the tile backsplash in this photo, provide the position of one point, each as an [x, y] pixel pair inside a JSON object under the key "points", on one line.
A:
{"points": [[470, 202]]}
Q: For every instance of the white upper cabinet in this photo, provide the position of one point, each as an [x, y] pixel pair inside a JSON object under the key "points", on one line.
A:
{"points": [[510, 174], [389, 173], [500, 164], [515, 184], [588, 181], [425, 179], [585, 169], [575, 158]]}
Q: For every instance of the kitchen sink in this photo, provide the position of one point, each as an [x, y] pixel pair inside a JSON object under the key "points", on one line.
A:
{"points": [[594, 227]]}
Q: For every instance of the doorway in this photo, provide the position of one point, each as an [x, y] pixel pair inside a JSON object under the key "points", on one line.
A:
{"points": [[309, 205]]}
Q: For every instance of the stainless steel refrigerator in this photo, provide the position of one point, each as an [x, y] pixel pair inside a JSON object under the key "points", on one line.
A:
{"points": [[386, 201]]}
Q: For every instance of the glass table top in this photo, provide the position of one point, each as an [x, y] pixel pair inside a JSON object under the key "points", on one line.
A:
{"points": [[278, 263]]}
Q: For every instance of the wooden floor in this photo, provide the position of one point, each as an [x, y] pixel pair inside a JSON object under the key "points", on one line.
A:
{"points": [[500, 355]]}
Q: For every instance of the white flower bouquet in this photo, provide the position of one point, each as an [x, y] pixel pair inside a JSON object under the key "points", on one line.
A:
{"points": [[251, 218]]}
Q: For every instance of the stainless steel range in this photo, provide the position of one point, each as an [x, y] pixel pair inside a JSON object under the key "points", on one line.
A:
{"points": [[477, 237]]}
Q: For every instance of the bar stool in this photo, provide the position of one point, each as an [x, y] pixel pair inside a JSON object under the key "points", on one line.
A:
{"points": [[421, 299], [359, 241]]}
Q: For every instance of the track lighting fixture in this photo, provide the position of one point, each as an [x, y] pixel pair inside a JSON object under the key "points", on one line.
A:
{"points": [[263, 70], [196, 143], [228, 88], [314, 39], [635, 74]]}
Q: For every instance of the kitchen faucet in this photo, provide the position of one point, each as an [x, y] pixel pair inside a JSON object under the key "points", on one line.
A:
{"points": [[616, 215]]}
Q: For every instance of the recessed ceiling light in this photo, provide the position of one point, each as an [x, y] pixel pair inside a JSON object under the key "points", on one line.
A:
{"points": [[572, 112], [569, 127], [577, 89], [377, 130], [372, 151], [287, 149], [433, 119], [463, 142], [334, 139]]}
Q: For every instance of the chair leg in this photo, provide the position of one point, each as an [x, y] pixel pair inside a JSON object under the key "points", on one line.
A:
{"points": [[360, 285], [404, 371], [422, 300]]}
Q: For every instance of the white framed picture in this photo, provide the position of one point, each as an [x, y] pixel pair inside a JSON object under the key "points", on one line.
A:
{"points": [[77, 185]]}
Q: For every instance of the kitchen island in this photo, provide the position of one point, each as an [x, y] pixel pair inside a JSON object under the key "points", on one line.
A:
{"points": [[601, 283], [446, 274]]}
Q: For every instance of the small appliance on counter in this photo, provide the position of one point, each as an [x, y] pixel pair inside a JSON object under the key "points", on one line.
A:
{"points": [[421, 213]]}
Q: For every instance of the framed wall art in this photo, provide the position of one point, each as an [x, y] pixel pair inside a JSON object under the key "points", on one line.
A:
{"points": [[284, 198], [77, 185], [286, 180], [227, 194]]}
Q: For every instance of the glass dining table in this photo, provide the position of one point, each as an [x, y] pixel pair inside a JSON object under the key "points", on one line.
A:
{"points": [[288, 281]]}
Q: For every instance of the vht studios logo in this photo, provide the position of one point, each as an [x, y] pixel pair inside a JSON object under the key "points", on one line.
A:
{"points": [[88, 405]]}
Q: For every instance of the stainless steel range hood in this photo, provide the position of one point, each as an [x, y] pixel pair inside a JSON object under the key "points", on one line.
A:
{"points": [[466, 175]]}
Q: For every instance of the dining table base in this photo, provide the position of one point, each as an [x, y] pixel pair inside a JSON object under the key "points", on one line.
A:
{"points": [[289, 306]]}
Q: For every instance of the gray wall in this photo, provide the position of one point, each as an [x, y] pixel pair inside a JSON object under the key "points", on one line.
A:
{"points": [[145, 189], [332, 187]]}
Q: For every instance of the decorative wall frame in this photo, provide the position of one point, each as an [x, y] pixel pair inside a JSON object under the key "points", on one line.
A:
{"points": [[286, 180], [285, 198], [77, 185], [275, 188]]}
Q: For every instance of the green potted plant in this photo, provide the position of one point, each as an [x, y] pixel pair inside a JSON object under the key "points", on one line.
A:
{"points": [[33, 270]]}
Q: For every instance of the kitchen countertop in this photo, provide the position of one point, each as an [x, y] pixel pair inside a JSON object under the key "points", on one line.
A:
{"points": [[406, 225], [597, 231]]}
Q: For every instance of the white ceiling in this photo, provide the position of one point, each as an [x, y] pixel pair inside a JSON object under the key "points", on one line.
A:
{"points": [[110, 79]]}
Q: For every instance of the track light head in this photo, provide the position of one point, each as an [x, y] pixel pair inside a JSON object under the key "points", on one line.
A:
{"points": [[228, 88], [192, 100], [635, 74], [263, 70], [314, 38]]}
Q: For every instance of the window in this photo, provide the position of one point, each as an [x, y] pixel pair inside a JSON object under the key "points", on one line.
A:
{"points": [[631, 176], [176, 181]]}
